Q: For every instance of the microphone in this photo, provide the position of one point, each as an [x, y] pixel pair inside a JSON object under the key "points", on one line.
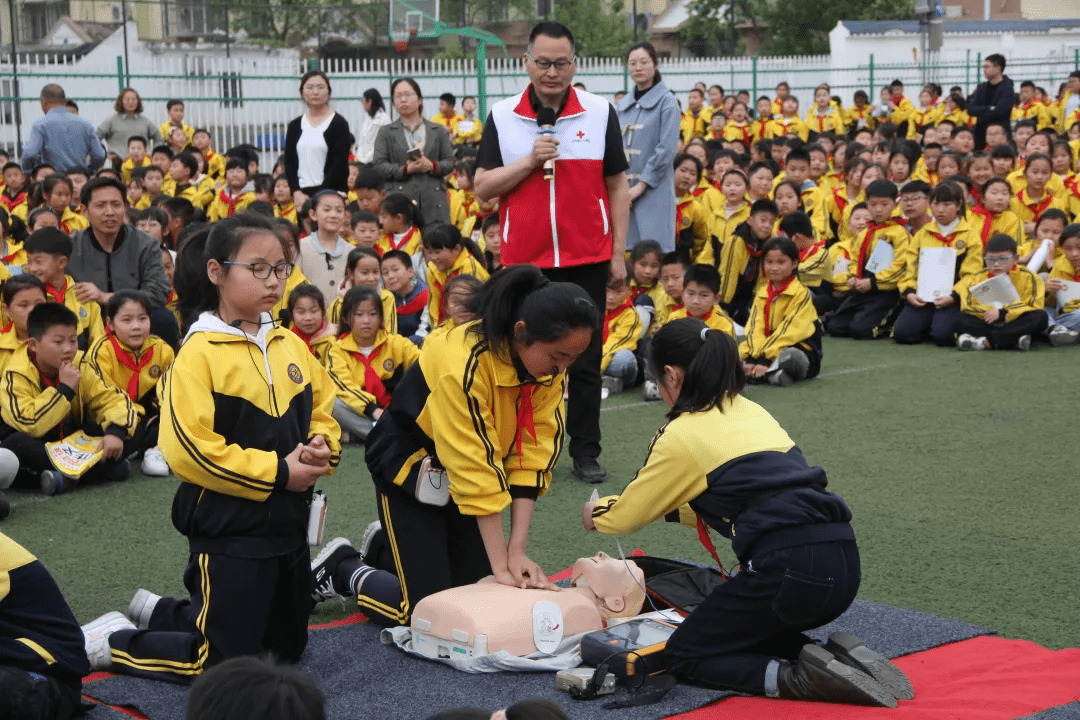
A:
{"points": [[545, 121]]}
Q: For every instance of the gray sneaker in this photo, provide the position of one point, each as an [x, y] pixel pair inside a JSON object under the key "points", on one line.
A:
{"points": [[1024, 343], [612, 384], [1061, 335]]}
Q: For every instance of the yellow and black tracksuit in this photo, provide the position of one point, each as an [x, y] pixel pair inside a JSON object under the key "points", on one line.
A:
{"points": [[832, 120], [733, 469], [235, 406], [464, 264], [496, 431], [226, 205], [739, 264], [870, 314], [622, 330], [411, 242], [1063, 270], [319, 342], [652, 296], [783, 317], [1030, 209], [89, 314], [41, 410], [389, 312], [136, 373], [694, 230], [782, 126], [691, 124], [1024, 317], [815, 272], [988, 224], [42, 648], [9, 344], [716, 318], [365, 383]]}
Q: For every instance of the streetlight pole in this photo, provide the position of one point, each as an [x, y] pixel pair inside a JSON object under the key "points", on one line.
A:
{"points": [[15, 82]]}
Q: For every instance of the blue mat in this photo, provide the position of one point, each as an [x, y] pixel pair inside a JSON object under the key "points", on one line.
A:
{"points": [[357, 672]]}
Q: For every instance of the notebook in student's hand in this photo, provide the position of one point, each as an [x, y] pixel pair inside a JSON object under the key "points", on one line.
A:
{"points": [[881, 258], [996, 292], [1070, 293], [937, 268]]}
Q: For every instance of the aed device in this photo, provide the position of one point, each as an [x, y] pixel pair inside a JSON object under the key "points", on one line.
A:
{"points": [[630, 649]]}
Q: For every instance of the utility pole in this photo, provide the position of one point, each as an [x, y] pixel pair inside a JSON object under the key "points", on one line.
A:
{"points": [[15, 83]]}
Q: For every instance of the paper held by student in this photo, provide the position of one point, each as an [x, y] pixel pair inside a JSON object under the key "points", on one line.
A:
{"points": [[937, 268], [996, 292], [841, 267], [1070, 293], [1038, 258], [881, 258]]}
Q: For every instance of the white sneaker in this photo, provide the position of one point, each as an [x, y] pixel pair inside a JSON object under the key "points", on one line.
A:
{"points": [[9, 468], [154, 465], [96, 634], [613, 385], [970, 342], [373, 529], [142, 607], [652, 392], [1061, 335], [1023, 343]]}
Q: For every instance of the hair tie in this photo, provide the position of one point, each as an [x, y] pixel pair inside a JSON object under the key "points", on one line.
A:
{"points": [[704, 330]]}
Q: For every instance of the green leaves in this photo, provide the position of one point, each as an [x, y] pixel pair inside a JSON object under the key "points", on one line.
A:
{"points": [[597, 31]]}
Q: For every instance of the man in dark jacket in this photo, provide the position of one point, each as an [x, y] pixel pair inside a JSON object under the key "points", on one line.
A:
{"points": [[993, 100]]}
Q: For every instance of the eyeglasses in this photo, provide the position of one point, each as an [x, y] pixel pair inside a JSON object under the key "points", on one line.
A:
{"points": [[262, 270], [1007, 260], [544, 64]]}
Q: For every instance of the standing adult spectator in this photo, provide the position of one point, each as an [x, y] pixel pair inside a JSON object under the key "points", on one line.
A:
{"points": [[127, 122], [62, 140], [374, 117], [992, 100], [649, 118], [418, 176], [1070, 103], [317, 143], [112, 255], [573, 226]]}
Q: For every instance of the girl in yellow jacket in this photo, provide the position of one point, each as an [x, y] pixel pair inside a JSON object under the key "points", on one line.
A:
{"points": [[474, 428], [248, 431], [20, 295], [307, 318], [783, 335], [130, 358], [621, 332], [448, 255], [56, 191], [366, 363], [1065, 317], [824, 117], [993, 215], [362, 269], [694, 229]]}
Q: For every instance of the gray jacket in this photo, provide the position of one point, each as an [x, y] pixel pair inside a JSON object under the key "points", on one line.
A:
{"points": [[651, 136], [119, 128], [134, 263], [428, 191]]}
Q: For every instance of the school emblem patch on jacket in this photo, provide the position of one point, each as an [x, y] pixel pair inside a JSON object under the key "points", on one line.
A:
{"points": [[294, 373], [388, 365]]}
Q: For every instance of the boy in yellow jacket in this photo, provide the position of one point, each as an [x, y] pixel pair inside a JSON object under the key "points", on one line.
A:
{"points": [[1065, 322], [986, 327], [47, 253], [701, 295], [621, 333]]}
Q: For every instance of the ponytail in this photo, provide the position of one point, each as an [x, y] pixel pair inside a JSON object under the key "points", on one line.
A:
{"points": [[710, 359], [550, 310]]}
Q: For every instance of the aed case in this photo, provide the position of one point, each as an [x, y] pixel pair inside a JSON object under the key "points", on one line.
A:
{"points": [[630, 648]]}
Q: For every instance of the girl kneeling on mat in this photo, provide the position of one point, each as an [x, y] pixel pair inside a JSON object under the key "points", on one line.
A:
{"points": [[723, 462]]}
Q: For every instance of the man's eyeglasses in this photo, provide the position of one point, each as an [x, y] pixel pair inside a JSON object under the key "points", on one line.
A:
{"points": [[544, 64], [262, 270]]}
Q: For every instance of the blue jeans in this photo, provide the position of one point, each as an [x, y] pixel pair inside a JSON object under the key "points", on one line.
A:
{"points": [[1070, 320], [624, 366]]}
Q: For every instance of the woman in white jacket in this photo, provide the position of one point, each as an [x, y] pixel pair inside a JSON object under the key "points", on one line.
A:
{"points": [[374, 118]]}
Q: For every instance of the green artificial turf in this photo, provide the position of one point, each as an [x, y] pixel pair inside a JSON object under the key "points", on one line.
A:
{"points": [[957, 467]]}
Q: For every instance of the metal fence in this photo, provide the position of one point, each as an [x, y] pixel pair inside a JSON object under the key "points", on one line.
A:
{"points": [[252, 99]]}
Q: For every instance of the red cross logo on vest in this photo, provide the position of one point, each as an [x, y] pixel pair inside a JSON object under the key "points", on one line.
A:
{"points": [[580, 134]]}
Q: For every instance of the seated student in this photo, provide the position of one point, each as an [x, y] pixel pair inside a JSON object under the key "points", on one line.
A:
{"points": [[215, 162], [284, 206], [137, 157], [233, 197], [992, 216], [694, 229], [673, 267], [15, 196], [128, 357], [366, 363], [307, 316], [448, 255], [646, 289], [733, 208], [362, 269], [812, 198], [291, 235], [12, 254], [153, 221], [872, 276], [44, 395], [168, 262], [153, 180], [727, 458], [56, 191], [410, 295], [458, 298], [42, 653], [814, 264], [182, 171], [368, 189], [47, 254], [981, 327], [397, 216], [42, 217], [1064, 322], [740, 260], [491, 234], [1049, 226], [322, 251], [621, 333], [936, 317], [700, 294], [789, 123], [365, 228], [1030, 203], [783, 335], [20, 294], [465, 209]]}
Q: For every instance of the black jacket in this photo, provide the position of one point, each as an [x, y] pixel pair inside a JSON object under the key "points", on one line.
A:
{"points": [[336, 169], [991, 103]]}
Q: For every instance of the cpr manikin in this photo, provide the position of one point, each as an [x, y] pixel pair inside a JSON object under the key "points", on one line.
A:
{"points": [[486, 617]]}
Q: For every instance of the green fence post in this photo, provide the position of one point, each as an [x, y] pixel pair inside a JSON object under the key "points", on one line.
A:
{"points": [[120, 71], [872, 88], [481, 79], [753, 69], [978, 64], [967, 72]]}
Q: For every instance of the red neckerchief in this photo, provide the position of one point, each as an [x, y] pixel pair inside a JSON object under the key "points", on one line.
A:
{"points": [[210, 155], [614, 314], [640, 290], [231, 202], [372, 382], [127, 359], [415, 305], [10, 203], [8, 258], [284, 210], [988, 222], [57, 295], [820, 121], [785, 126], [307, 338], [446, 119], [745, 130], [759, 127], [841, 202], [803, 254], [65, 227], [526, 423], [868, 234], [706, 316], [404, 241], [172, 296], [703, 536], [770, 298], [678, 306], [976, 196], [679, 207], [947, 240], [1039, 207]]}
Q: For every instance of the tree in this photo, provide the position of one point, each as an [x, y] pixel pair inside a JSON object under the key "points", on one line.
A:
{"points": [[708, 31], [597, 32], [798, 27]]}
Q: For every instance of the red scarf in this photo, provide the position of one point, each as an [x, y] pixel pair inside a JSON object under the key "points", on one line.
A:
{"points": [[284, 210], [127, 359], [614, 314], [372, 382], [172, 296], [640, 290], [1039, 207], [678, 306], [841, 202], [7, 328], [803, 254], [759, 128], [988, 222], [705, 318], [404, 241], [770, 298], [231, 202], [820, 121], [10, 203], [415, 305], [745, 130], [868, 234], [947, 240], [57, 295], [526, 423], [307, 338], [8, 258]]}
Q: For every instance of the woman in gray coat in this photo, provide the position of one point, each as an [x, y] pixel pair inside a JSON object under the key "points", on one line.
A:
{"points": [[649, 117], [127, 123], [417, 175]]}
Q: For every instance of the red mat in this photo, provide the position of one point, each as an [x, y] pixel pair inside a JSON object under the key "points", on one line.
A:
{"points": [[985, 678]]}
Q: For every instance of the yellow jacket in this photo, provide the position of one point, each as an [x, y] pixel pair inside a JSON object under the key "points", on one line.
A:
{"points": [[964, 239], [30, 404], [725, 224], [932, 115], [854, 114], [226, 205], [838, 205], [622, 330], [466, 132], [389, 312], [9, 344], [465, 264], [215, 164], [815, 265], [72, 221], [1033, 110], [450, 122], [167, 127], [789, 320], [716, 318], [102, 356], [411, 244], [295, 279], [694, 230], [1063, 270], [710, 198], [959, 118], [287, 211], [128, 165], [789, 126], [815, 204], [662, 303], [831, 121], [744, 133], [1028, 285], [689, 126], [1029, 209], [12, 257], [988, 224], [905, 109], [463, 206], [89, 314], [198, 196], [893, 233], [17, 206], [735, 258], [391, 357]]}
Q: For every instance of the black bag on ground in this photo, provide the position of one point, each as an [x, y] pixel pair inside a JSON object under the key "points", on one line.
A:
{"points": [[677, 584]]}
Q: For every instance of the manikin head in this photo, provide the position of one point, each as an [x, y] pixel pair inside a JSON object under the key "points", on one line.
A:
{"points": [[617, 585]]}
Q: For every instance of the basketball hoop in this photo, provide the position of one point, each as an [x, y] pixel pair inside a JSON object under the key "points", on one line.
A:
{"points": [[400, 41]]}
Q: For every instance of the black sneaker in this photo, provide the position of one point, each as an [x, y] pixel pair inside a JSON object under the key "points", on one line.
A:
{"points": [[324, 567], [589, 470]]}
